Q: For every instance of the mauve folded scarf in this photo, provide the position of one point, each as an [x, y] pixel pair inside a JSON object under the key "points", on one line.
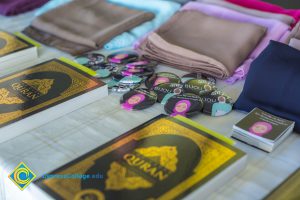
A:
{"points": [[257, 13], [264, 6], [275, 31], [154, 47], [91, 23], [208, 36], [14, 7]]}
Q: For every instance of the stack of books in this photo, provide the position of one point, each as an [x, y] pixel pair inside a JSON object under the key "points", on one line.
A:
{"points": [[263, 130]]}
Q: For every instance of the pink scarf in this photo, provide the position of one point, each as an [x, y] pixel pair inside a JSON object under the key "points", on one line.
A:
{"points": [[268, 7]]}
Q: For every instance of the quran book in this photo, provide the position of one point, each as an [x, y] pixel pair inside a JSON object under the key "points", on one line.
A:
{"points": [[44, 92], [15, 50], [164, 158]]}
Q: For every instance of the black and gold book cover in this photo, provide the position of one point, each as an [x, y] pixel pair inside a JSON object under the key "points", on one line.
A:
{"points": [[10, 44], [164, 158], [40, 87]]}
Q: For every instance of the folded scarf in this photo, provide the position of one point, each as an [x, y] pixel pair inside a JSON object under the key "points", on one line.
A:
{"points": [[273, 83], [163, 10], [257, 13], [56, 42], [275, 30], [15, 7], [91, 23], [268, 7], [208, 36], [154, 48], [49, 6]]}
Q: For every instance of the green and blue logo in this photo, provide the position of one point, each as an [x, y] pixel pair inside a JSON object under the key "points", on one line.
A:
{"points": [[22, 176]]}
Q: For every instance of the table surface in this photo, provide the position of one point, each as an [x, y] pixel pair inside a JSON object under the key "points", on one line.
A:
{"points": [[60, 141]]}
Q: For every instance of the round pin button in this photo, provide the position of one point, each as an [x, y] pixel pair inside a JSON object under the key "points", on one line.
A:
{"points": [[167, 88], [198, 87], [91, 60], [143, 73], [161, 77], [131, 80], [123, 57], [138, 99], [217, 103], [121, 88], [103, 73], [190, 76], [142, 64], [185, 105]]}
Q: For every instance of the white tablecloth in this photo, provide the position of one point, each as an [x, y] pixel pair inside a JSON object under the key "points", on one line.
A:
{"points": [[58, 142]]}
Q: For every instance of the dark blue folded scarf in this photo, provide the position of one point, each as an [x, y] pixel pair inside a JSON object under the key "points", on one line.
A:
{"points": [[273, 83]]}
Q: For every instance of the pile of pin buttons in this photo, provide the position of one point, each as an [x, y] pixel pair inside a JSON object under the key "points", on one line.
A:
{"points": [[186, 96], [127, 69]]}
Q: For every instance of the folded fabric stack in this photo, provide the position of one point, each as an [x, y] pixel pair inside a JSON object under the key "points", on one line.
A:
{"points": [[197, 42], [163, 10], [210, 44], [88, 27], [275, 31], [14, 7], [196, 39]]}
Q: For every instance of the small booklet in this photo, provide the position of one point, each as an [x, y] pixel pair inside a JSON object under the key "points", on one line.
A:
{"points": [[15, 50], [164, 158], [263, 130]]}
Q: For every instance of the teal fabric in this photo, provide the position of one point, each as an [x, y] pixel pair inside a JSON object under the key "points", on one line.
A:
{"points": [[163, 11]]}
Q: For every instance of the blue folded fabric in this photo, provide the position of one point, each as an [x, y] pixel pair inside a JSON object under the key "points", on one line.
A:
{"points": [[123, 40], [273, 83], [163, 11], [50, 5]]}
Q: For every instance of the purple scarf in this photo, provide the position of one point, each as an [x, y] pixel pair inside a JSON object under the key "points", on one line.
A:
{"points": [[15, 7]]}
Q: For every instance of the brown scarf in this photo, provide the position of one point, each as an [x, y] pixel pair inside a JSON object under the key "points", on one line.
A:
{"points": [[88, 23], [197, 42]]}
